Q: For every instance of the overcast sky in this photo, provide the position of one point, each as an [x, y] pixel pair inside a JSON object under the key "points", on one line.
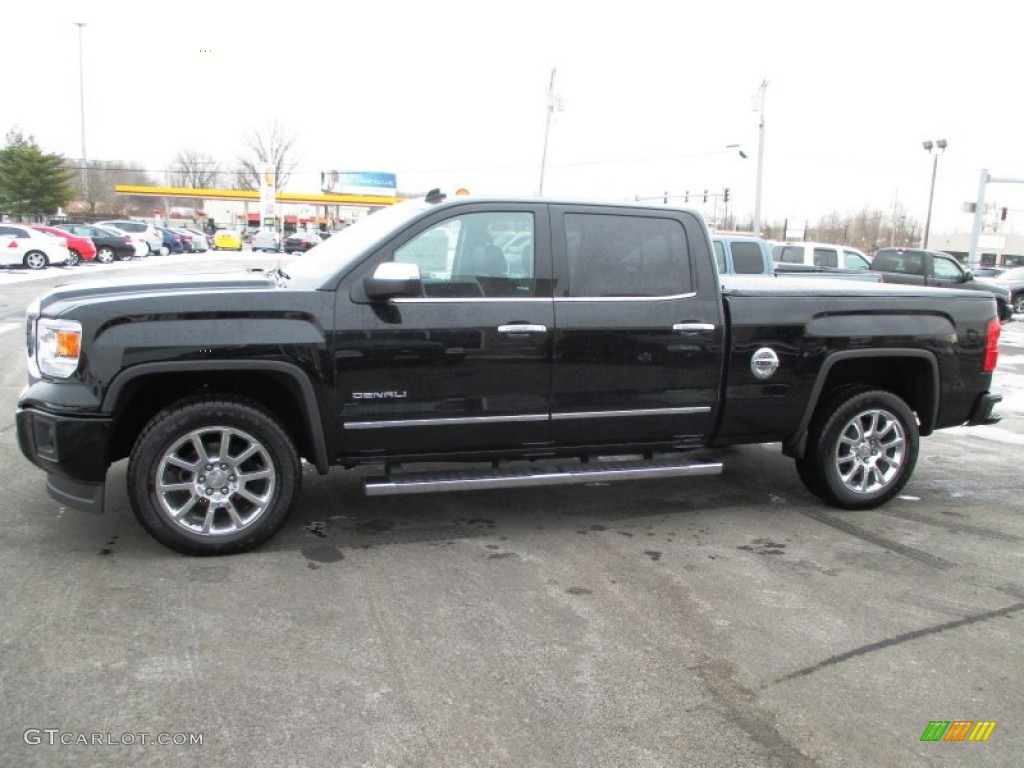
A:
{"points": [[454, 94]]}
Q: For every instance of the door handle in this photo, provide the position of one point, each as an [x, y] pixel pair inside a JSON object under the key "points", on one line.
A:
{"points": [[693, 327], [517, 328]]}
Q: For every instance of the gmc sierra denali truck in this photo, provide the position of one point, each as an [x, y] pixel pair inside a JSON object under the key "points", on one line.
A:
{"points": [[522, 341]]}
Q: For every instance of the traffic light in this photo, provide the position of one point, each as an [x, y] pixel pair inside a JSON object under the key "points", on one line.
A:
{"points": [[725, 197], [1002, 214], [665, 200], [687, 197], [705, 195]]}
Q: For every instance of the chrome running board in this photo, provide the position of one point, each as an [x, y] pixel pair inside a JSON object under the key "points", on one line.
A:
{"points": [[571, 473]]}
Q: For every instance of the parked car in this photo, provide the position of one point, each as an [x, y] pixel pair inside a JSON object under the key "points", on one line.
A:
{"points": [[227, 240], [137, 239], [79, 248], [29, 247], [201, 242], [172, 242], [300, 242], [989, 271], [110, 245], [1013, 280], [936, 269], [820, 255], [154, 240], [266, 240], [742, 254], [191, 242]]}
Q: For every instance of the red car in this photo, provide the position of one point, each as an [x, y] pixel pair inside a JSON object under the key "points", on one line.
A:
{"points": [[79, 248]]}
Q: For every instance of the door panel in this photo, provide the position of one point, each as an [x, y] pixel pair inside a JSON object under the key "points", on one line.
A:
{"points": [[467, 366], [639, 328]]}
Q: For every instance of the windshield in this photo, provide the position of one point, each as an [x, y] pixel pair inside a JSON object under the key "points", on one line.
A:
{"points": [[342, 248]]}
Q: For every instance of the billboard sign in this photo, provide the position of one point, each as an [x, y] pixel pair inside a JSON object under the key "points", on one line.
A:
{"points": [[358, 183]]}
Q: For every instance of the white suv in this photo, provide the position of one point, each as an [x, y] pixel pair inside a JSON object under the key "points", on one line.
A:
{"points": [[154, 239], [821, 255]]}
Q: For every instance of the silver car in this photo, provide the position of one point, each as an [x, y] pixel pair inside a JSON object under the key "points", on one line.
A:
{"points": [[266, 240]]}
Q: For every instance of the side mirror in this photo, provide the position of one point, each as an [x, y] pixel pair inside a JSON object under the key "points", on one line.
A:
{"points": [[392, 279], [968, 275]]}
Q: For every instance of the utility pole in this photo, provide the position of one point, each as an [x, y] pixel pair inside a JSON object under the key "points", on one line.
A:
{"points": [[760, 155], [554, 102], [81, 99]]}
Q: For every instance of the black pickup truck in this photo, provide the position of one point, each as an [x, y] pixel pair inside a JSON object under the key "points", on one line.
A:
{"points": [[522, 341], [936, 269]]}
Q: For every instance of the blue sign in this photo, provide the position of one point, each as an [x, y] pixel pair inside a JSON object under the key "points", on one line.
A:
{"points": [[359, 183]]}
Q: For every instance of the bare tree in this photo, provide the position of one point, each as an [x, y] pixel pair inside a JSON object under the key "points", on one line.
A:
{"points": [[275, 146], [102, 176], [193, 169]]}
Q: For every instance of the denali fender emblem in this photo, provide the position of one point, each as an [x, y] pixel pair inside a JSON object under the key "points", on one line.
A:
{"points": [[764, 363], [391, 394]]}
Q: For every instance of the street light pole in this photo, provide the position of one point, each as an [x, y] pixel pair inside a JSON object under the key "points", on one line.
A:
{"points": [[81, 97], [555, 102], [760, 156], [934, 149]]}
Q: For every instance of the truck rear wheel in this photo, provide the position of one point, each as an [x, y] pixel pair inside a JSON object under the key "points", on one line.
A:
{"points": [[213, 476], [862, 447]]}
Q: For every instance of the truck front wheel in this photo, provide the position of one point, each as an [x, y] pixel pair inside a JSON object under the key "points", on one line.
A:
{"points": [[213, 476], [862, 446]]}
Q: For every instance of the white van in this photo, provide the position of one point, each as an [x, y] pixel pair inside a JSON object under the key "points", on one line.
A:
{"points": [[820, 255]]}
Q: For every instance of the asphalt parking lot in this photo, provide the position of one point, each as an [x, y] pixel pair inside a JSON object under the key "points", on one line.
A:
{"points": [[718, 621]]}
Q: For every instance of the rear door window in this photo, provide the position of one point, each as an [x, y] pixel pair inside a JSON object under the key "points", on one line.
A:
{"points": [[826, 257], [626, 256], [788, 254], [747, 259]]}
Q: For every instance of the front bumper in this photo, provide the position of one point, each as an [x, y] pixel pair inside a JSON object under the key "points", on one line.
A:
{"points": [[982, 412], [73, 452]]}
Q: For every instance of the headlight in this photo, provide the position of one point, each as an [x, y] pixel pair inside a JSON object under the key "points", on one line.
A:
{"points": [[58, 344]]}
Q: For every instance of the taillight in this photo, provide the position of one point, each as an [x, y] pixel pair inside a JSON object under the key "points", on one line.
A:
{"points": [[12, 244], [992, 331]]}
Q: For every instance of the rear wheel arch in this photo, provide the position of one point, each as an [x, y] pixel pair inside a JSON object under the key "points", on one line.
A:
{"points": [[862, 447], [911, 374]]}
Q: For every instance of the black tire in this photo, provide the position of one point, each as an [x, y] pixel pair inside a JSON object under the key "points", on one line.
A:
{"points": [[36, 260], [1004, 310], [173, 488], [105, 255], [74, 258], [862, 447], [1018, 303]]}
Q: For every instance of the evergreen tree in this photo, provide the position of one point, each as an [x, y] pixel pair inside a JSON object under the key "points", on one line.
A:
{"points": [[31, 181]]}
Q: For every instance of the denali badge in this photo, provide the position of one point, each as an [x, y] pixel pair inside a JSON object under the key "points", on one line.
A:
{"points": [[391, 394], [764, 363]]}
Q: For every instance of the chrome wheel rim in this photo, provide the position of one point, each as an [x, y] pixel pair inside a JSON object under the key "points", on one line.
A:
{"points": [[1018, 305], [215, 481], [35, 260], [105, 256], [871, 451]]}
